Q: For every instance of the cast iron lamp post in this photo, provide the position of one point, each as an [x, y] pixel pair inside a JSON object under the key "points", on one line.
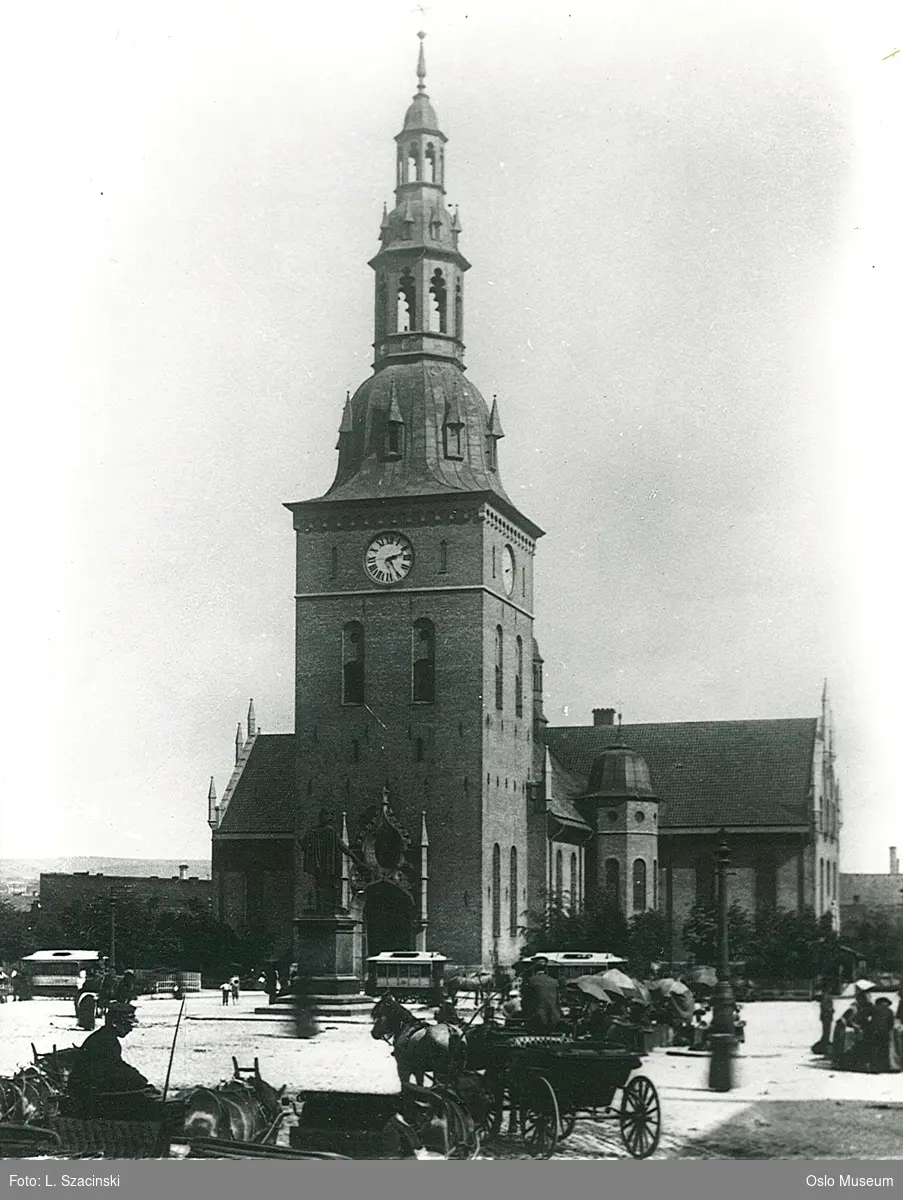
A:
{"points": [[722, 1035]]}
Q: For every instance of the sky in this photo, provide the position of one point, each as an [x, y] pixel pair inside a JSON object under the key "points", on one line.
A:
{"points": [[683, 224]]}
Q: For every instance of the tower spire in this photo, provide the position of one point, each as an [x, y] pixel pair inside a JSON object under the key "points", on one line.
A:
{"points": [[421, 64]]}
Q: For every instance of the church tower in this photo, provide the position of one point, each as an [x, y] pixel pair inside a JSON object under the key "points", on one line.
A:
{"points": [[414, 603]]}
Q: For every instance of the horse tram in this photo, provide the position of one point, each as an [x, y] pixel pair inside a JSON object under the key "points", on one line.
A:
{"points": [[413, 975]]}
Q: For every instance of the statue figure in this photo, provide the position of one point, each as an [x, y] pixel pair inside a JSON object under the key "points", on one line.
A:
{"points": [[322, 850]]}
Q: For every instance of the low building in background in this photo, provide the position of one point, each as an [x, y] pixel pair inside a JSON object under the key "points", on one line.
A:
{"points": [[180, 893]]}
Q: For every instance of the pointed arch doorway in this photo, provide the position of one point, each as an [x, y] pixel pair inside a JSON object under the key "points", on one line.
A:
{"points": [[388, 919]]}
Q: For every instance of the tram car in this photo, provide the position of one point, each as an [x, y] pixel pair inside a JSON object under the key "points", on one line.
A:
{"points": [[567, 965], [408, 974], [56, 972]]}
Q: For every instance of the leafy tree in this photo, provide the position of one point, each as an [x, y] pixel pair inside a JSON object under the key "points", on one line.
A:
{"points": [[700, 933], [878, 936], [649, 940]]}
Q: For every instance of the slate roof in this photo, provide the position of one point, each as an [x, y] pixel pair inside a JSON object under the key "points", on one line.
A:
{"points": [[709, 773], [565, 787], [264, 796]]}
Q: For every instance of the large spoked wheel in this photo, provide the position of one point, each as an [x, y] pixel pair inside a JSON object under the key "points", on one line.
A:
{"points": [[464, 1140], [640, 1117], [540, 1120], [494, 1100], [568, 1121]]}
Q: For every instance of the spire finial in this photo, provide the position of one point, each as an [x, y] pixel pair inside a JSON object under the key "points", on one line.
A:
{"points": [[421, 64]]}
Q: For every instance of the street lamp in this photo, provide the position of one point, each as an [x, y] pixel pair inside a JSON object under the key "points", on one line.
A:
{"points": [[721, 1067]]}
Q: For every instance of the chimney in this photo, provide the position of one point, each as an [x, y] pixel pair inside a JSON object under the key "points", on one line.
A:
{"points": [[894, 861], [603, 716], [183, 871]]}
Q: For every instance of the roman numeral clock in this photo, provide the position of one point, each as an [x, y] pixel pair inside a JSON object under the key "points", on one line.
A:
{"points": [[389, 558]]}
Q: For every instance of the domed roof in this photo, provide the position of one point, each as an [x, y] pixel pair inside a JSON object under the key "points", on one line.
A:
{"points": [[421, 114], [620, 773], [426, 394]]}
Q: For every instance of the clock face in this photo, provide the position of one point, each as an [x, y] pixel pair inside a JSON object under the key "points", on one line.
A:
{"points": [[389, 557], [508, 569]]}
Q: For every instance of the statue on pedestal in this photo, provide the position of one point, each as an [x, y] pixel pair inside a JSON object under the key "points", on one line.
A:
{"points": [[322, 851]]}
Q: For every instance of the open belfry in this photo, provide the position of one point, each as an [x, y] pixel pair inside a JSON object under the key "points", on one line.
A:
{"points": [[422, 802]]}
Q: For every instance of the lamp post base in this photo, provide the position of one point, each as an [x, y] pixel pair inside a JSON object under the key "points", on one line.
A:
{"points": [[721, 1063]]}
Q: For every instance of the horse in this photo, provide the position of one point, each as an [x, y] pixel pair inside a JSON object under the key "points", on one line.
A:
{"points": [[479, 982], [240, 1110], [418, 1046]]}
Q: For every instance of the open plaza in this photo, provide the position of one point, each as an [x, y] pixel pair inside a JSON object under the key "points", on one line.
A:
{"points": [[786, 1103]]}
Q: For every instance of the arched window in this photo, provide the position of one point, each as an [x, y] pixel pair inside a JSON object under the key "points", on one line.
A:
{"points": [[431, 165], [353, 663], [413, 164], [537, 675], [821, 884], [405, 320], [639, 885], [439, 305], [512, 896], [559, 878], [443, 557], [423, 662], [573, 883], [613, 881], [418, 749], [496, 890], [519, 679], [459, 311], [499, 668]]}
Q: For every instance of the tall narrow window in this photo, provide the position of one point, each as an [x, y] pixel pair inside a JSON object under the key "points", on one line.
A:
{"points": [[559, 878], [496, 890], [413, 164], [353, 663], [333, 562], [613, 882], [512, 895], [459, 312], [821, 885], [655, 884], [430, 164], [490, 451], [381, 308], [418, 749], [423, 653], [639, 885], [573, 882], [519, 679], [439, 304], [406, 302], [499, 668], [443, 557]]}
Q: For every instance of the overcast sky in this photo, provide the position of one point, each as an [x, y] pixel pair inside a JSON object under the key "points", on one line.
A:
{"points": [[683, 220]]}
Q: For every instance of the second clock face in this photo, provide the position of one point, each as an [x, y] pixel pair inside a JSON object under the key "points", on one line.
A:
{"points": [[389, 557], [508, 569]]}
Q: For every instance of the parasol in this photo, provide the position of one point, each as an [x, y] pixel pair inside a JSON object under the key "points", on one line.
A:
{"points": [[670, 987], [706, 976], [861, 985], [617, 983], [591, 986]]}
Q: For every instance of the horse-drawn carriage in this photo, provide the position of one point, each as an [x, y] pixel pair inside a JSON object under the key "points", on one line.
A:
{"points": [[545, 1083]]}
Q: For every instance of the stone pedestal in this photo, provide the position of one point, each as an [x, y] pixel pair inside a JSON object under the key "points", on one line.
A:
{"points": [[325, 953]]}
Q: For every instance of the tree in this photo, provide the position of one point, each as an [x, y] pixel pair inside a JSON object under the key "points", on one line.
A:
{"points": [[700, 933], [649, 940]]}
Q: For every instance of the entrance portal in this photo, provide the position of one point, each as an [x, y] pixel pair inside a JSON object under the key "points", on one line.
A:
{"points": [[388, 919]]}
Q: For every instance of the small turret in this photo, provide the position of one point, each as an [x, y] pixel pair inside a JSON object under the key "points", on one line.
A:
{"points": [[213, 809], [252, 722]]}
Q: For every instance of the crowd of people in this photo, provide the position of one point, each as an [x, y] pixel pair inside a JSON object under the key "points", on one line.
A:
{"points": [[867, 1036]]}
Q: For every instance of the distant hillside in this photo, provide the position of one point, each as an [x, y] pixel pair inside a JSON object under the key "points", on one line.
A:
{"points": [[31, 868]]}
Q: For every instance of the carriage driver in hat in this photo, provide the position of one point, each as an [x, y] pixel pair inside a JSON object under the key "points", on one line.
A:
{"points": [[101, 1084], [539, 997]]}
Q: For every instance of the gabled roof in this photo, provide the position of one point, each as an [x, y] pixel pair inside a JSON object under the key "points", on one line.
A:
{"points": [[709, 773], [263, 800], [563, 787]]}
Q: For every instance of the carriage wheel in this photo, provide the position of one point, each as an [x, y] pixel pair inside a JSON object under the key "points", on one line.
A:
{"points": [[640, 1117], [494, 1100], [461, 1125], [539, 1117], [568, 1121]]}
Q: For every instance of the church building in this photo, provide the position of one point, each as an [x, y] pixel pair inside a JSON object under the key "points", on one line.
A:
{"points": [[421, 801]]}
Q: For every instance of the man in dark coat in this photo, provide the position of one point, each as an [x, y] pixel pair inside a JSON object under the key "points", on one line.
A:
{"points": [[539, 998], [826, 1015], [880, 1035], [101, 1084]]}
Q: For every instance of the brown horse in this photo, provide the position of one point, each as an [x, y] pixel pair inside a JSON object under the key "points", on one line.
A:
{"points": [[420, 1048], [241, 1110]]}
